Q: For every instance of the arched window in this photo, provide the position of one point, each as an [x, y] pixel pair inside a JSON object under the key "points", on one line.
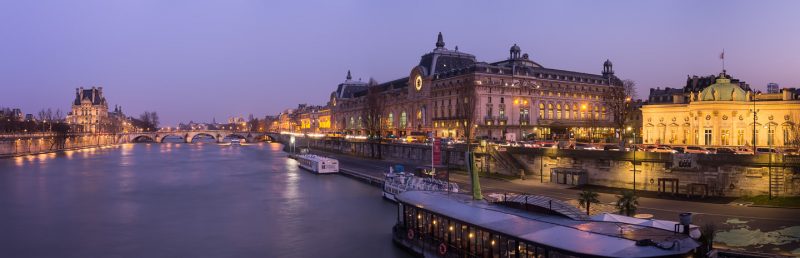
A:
{"points": [[566, 111], [541, 110], [403, 120], [550, 110], [558, 111], [596, 112], [604, 114], [352, 123], [575, 111], [390, 120]]}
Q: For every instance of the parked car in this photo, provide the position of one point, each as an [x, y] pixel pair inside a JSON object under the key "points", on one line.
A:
{"points": [[792, 152], [611, 147], [766, 150], [724, 150], [695, 150], [549, 145], [530, 144], [662, 149], [649, 148], [679, 149], [584, 146], [712, 150], [743, 151]]}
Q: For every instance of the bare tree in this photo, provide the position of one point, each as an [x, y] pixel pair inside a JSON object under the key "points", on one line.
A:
{"points": [[618, 101], [373, 117], [148, 121], [466, 119]]}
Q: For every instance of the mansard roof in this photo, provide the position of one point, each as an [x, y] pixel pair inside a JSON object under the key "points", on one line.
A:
{"points": [[93, 95]]}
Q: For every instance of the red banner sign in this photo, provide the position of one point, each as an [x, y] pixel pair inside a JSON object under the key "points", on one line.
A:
{"points": [[437, 151]]}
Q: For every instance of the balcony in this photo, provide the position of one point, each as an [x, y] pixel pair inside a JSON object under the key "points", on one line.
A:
{"points": [[502, 118]]}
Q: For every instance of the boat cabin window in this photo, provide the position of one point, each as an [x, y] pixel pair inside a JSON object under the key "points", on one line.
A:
{"points": [[465, 239]]}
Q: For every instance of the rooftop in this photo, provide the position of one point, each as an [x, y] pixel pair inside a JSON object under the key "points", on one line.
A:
{"points": [[587, 237]]}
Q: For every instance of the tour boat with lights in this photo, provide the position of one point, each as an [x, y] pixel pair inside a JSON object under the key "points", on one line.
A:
{"points": [[236, 142], [318, 164], [440, 224]]}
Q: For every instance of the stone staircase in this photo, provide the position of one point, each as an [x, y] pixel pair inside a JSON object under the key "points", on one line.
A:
{"points": [[777, 181], [505, 160]]}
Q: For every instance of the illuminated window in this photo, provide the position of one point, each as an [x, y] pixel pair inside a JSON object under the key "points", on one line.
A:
{"points": [[550, 110], [566, 111], [604, 114], [707, 138], [558, 111], [541, 111], [771, 136], [740, 137], [725, 137], [403, 120], [575, 111]]}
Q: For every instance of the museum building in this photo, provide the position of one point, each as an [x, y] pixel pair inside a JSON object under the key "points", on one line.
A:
{"points": [[514, 98]]}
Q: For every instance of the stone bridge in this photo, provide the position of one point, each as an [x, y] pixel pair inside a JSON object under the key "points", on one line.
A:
{"points": [[189, 135]]}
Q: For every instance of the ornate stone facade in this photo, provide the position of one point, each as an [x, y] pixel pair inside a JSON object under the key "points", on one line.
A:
{"points": [[722, 115], [89, 111], [515, 98]]}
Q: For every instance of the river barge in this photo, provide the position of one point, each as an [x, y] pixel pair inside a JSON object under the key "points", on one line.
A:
{"points": [[440, 224]]}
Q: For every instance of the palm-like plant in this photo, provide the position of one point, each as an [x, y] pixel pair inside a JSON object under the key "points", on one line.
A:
{"points": [[627, 202], [586, 198]]}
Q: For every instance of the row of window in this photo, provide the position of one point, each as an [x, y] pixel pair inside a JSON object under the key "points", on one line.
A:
{"points": [[727, 136]]}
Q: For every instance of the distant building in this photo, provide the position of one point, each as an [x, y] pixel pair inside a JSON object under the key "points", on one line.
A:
{"points": [[773, 88], [17, 114], [666, 95], [89, 111], [29, 117]]}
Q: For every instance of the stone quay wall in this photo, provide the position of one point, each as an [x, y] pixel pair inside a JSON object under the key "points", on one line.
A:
{"points": [[412, 153], [31, 145], [723, 175]]}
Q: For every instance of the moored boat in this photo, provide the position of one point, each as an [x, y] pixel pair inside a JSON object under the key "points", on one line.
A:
{"points": [[437, 224], [397, 182], [317, 164]]}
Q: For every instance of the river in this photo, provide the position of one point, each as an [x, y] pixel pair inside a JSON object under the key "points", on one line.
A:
{"points": [[186, 200]]}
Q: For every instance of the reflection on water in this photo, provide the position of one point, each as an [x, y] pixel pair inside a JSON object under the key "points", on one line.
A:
{"points": [[186, 200]]}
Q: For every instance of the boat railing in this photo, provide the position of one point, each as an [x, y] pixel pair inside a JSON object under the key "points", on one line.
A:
{"points": [[544, 202]]}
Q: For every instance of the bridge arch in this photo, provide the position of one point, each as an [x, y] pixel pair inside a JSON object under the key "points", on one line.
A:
{"points": [[192, 135], [263, 137], [142, 138], [164, 136]]}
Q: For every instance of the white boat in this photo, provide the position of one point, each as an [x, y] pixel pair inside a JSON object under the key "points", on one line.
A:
{"points": [[318, 164], [236, 142], [397, 183]]}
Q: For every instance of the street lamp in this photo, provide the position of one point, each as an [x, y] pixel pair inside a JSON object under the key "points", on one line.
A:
{"points": [[769, 166], [583, 115], [634, 159]]}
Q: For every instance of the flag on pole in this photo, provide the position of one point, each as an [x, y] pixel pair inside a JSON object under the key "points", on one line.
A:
{"points": [[722, 55]]}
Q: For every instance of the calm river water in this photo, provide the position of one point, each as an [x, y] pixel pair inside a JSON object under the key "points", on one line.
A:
{"points": [[186, 200]]}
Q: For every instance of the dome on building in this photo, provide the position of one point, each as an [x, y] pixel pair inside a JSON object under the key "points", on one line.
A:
{"points": [[723, 90]]}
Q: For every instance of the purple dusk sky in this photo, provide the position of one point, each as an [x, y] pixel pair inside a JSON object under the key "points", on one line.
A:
{"points": [[194, 60]]}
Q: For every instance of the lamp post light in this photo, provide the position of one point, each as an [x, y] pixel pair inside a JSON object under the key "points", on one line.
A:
{"points": [[634, 159], [769, 166]]}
